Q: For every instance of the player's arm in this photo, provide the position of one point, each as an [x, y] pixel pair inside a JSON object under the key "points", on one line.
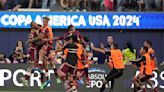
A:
{"points": [[152, 55], [34, 39], [97, 49], [138, 61], [62, 48], [53, 39]]}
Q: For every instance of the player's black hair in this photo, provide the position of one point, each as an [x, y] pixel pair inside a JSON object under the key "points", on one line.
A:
{"points": [[115, 45], [74, 38], [69, 27], [36, 23], [110, 36], [130, 46], [145, 48], [149, 42], [31, 23]]}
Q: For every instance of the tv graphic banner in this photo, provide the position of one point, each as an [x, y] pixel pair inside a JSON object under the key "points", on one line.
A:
{"points": [[87, 20], [10, 75]]}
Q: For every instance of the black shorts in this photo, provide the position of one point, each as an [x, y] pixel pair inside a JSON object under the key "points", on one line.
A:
{"points": [[114, 74]]}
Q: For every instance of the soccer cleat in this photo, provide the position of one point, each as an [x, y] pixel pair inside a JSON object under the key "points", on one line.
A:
{"points": [[45, 84], [24, 81], [80, 81], [58, 80]]}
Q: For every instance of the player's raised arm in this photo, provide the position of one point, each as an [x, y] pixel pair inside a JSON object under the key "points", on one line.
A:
{"points": [[97, 49]]}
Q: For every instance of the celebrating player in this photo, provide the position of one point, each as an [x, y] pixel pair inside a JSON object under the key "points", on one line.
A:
{"points": [[34, 45], [144, 62], [151, 52]]}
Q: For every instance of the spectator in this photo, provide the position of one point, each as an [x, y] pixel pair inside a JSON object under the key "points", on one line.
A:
{"points": [[10, 4], [21, 4], [19, 55], [35, 3], [27, 4], [1, 5], [109, 42], [129, 53], [140, 4], [64, 4], [74, 5], [109, 5], [120, 4], [148, 5], [101, 56], [132, 5], [158, 4], [153, 4], [45, 3], [83, 4], [4, 59], [95, 5], [163, 5]]}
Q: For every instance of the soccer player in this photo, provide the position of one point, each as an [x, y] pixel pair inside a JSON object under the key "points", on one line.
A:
{"points": [[72, 54], [144, 62], [82, 67], [46, 33], [151, 52], [115, 62], [33, 51], [153, 58], [72, 31]]}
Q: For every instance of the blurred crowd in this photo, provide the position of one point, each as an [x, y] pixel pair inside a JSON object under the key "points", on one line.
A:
{"points": [[85, 5]]}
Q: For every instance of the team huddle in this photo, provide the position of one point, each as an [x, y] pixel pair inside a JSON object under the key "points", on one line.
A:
{"points": [[77, 59]]}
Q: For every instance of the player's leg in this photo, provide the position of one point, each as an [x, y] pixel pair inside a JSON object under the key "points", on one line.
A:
{"points": [[62, 71], [136, 84], [33, 56], [86, 75], [142, 78], [25, 78], [110, 77], [79, 75], [155, 89], [53, 66], [45, 66], [47, 81], [41, 56]]}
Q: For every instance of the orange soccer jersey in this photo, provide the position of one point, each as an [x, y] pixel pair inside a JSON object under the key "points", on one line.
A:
{"points": [[146, 69], [152, 52], [79, 54], [47, 31], [117, 60]]}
